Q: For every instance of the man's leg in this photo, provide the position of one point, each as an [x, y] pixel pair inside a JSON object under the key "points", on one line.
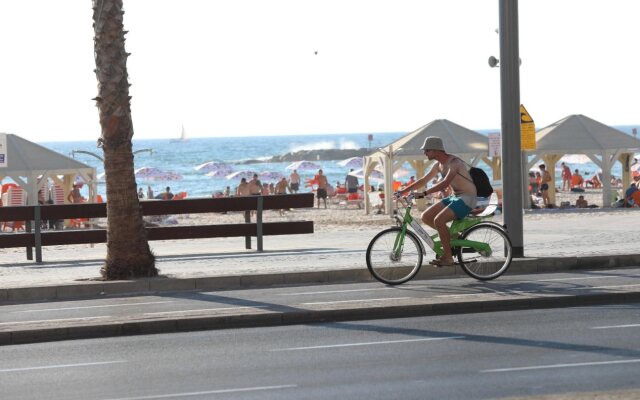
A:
{"points": [[440, 222], [430, 214]]}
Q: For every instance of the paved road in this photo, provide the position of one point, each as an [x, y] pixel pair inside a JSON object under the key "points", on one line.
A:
{"points": [[487, 355], [191, 310]]}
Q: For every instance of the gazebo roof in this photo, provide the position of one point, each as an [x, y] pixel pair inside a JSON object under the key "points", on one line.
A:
{"points": [[457, 140], [577, 134]]}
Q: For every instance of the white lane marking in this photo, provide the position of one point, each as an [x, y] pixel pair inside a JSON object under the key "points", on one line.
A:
{"points": [[521, 292], [335, 291], [616, 326], [35, 321], [187, 394], [330, 346], [571, 365], [86, 307], [202, 309], [355, 301], [63, 366]]}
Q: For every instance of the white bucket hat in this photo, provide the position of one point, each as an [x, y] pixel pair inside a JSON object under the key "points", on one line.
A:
{"points": [[433, 143]]}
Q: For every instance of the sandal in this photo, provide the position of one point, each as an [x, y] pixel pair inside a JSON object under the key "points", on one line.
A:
{"points": [[443, 263]]}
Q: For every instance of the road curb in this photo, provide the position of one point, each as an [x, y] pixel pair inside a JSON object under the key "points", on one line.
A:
{"points": [[261, 318], [93, 289]]}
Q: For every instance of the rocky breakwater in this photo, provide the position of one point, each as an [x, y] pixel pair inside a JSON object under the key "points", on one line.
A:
{"points": [[316, 155]]}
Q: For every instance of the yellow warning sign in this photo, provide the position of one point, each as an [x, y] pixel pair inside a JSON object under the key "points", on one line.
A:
{"points": [[527, 130]]}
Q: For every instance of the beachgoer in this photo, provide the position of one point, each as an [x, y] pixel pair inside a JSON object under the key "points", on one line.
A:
{"points": [[149, 192], [255, 186], [351, 182], [167, 195], [294, 181], [576, 180], [533, 183], [243, 188], [628, 195], [456, 206], [321, 192], [74, 195], [581, 202], [566, 177], [226, 192], [544, 187], [282, 186], [140, 193], [538, 182], [380, 206]]}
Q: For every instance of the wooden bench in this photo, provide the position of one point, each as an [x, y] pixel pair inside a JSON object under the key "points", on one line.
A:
{"points": [[34, 215]]}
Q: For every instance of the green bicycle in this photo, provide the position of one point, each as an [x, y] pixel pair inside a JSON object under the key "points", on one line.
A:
{"points": [[482, 247]]}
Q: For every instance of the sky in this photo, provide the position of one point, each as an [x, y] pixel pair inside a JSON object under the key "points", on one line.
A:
{"points": [[300, 67]]}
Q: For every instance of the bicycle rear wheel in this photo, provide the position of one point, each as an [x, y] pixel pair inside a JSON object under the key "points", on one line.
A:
{"points": [[388, 266], [490, 262]]}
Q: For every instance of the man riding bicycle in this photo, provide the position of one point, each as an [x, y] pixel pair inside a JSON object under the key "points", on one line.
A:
{"points": [[455, 174]]}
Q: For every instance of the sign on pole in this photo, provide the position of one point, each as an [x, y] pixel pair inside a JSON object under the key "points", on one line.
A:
{"points": [[3, 150], [527, 130], [495, 145]]}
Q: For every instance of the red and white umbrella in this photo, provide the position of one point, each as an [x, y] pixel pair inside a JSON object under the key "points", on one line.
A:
{"points": [[353, 162], [215, 166], [302, 165], [156, 174], [247, 174], [270, 176]]}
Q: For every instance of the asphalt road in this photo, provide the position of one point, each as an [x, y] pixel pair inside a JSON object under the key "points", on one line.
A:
{"points": [[467, 356], [310, 297]]}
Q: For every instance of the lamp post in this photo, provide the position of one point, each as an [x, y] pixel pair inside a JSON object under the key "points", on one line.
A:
{"points": [[510, 112]]}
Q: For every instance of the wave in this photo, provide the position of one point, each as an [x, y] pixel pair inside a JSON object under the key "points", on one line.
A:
{"points": [[326, 145]]}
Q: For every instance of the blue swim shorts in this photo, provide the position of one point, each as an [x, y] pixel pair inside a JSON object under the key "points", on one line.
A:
{"points": [[459, 208]]}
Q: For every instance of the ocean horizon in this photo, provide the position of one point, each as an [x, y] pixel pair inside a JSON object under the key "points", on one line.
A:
{"points": [[183, 156]]}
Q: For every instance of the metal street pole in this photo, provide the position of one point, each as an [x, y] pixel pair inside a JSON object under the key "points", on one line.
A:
{"points": [[510, 108]]}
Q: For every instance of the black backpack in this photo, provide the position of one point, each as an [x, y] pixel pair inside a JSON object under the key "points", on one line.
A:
{"points": [[482, 182], [479, 179]]}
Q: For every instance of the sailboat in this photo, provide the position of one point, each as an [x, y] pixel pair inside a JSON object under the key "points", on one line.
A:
{"points": [[183, 137]]}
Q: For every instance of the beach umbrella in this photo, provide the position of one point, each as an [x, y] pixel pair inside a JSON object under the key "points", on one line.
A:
{"points": [[215, 166], [302, 165], [575, 159], [375, 174], [156, 174], [218, 174], [353, 162], [247, 174], [270, 176]]}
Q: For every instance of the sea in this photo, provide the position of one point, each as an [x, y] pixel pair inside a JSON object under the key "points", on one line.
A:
{"points": [[183, 156]]}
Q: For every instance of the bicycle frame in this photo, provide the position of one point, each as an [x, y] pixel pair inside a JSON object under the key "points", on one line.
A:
{"points": [[457, 226]]}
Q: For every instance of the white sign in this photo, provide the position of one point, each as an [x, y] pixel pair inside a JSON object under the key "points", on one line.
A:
{"points": [[495, 145], [3, 150]]}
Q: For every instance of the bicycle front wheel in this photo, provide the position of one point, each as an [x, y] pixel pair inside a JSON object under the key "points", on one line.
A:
{"points": [[392, 262], [489, 255]]}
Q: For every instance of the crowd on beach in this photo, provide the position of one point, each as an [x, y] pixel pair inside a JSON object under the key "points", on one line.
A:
{"points": [[573, 182]]}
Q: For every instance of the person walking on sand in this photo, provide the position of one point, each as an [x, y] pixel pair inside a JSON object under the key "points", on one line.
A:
{"points": [[74, 195], [456, 206], [351, 182], [243, 188], [294, 181], [544, 186], [323, 184], [566, 177], [255, 186]]}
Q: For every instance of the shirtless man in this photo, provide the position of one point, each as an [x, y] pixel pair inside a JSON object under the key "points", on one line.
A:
{"points": [[282, 186], [456, 206], [323, 184], [243, 188], [255, 186], [544, 187], [294, 180]]}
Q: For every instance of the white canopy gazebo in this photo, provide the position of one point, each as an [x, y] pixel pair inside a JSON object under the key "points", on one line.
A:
{"points": [[30, 166], [578, 134], [464, 143]]}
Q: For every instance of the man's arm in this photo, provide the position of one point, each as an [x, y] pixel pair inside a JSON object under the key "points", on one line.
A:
{"points": [[422, 181]]}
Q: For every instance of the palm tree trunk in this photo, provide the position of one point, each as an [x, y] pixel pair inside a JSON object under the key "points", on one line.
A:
{"points": [[128, 252]]}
